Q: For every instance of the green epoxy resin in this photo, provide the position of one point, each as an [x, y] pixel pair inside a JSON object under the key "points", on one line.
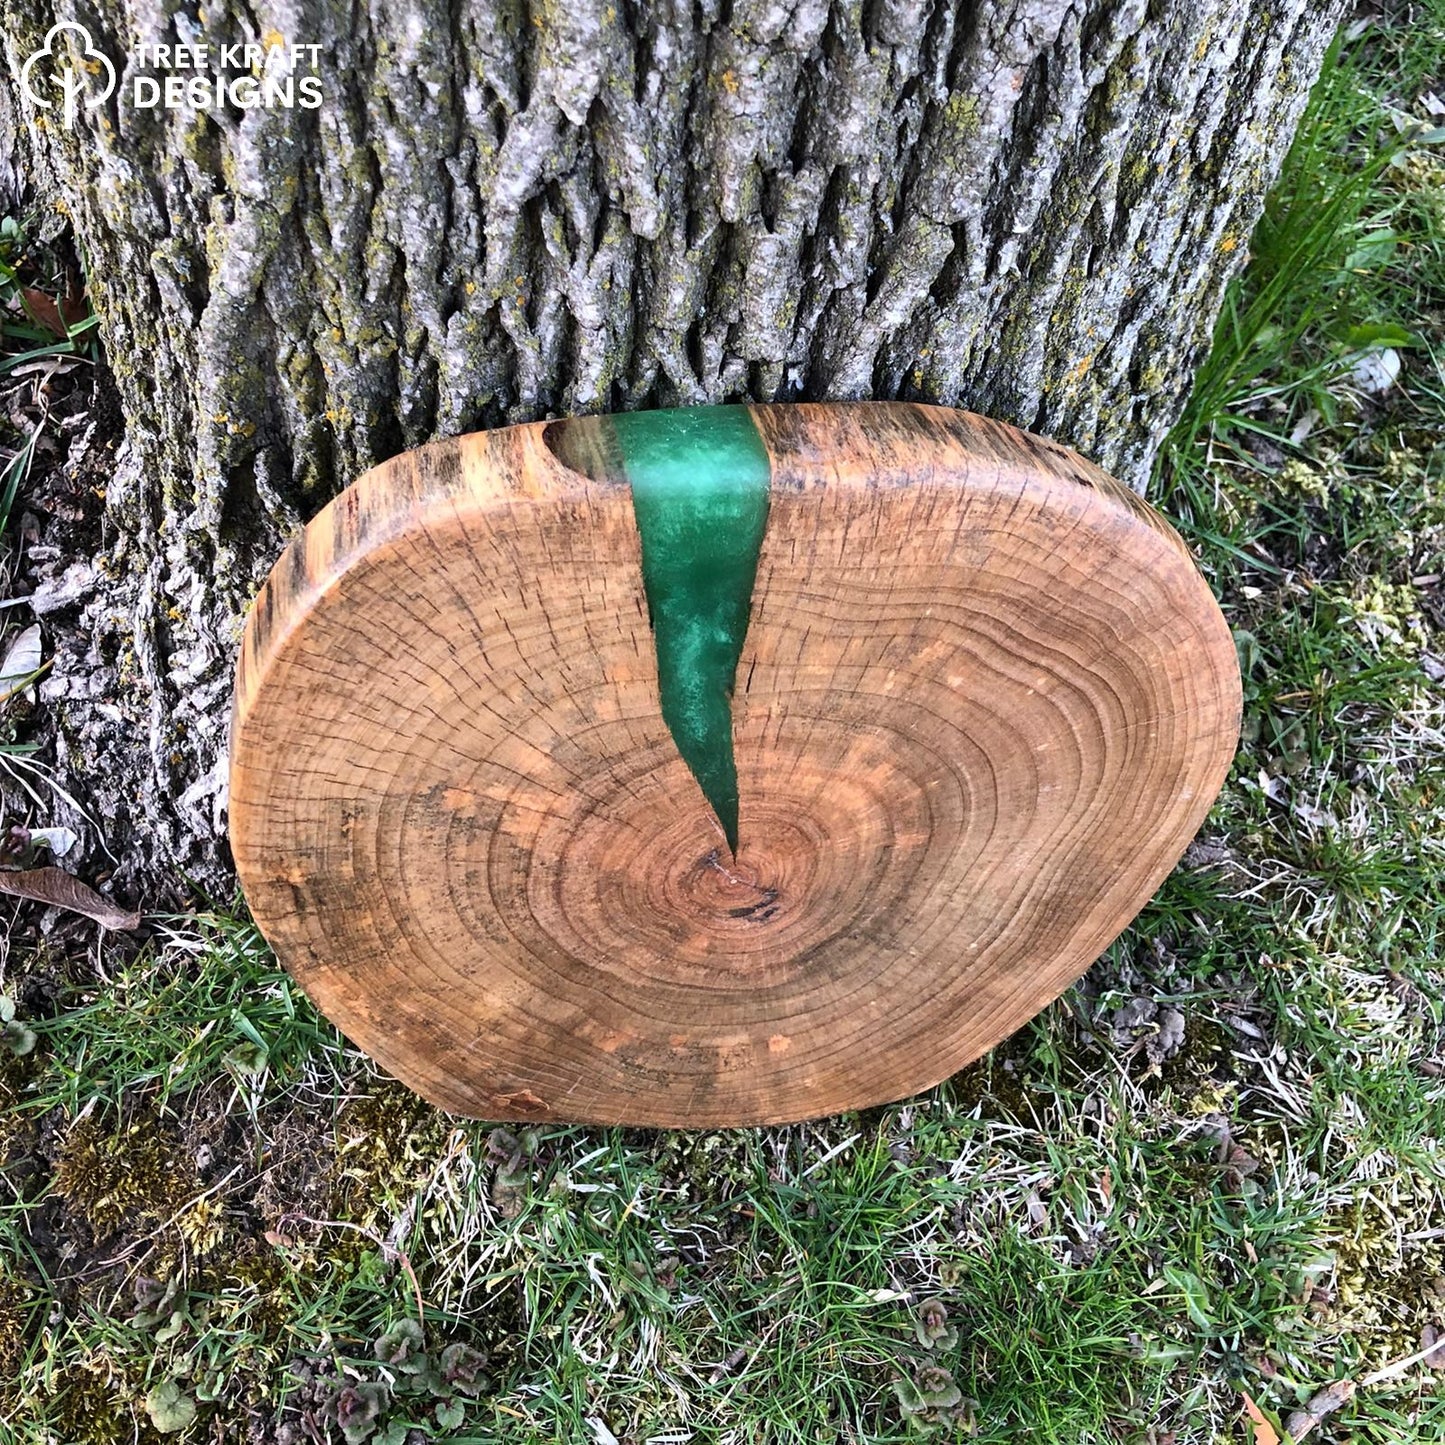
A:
{"points": [[699, 482]]}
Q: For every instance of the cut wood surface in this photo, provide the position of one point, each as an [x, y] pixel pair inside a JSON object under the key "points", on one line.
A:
{"points": [[984, 701]]}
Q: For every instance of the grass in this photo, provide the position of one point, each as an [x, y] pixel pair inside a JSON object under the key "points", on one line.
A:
{"points": [[210, 1203], [234, 1013]]}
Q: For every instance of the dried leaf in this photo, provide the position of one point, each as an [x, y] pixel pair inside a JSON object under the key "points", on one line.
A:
{"points": [[59, 889], [59, 840], [1038, 1213], [1322, 1403], [22, 661], [1304, 426], [1263, 1432], [1239, 1164], [1313, 816], [56, 314], [738, 1358], [1432, 1340], [1376, 371], [44, 312]]}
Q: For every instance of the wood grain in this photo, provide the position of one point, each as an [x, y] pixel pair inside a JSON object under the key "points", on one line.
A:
{"points": [[984, 703]]}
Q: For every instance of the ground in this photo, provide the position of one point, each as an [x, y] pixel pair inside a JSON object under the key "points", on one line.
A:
{"points": [[1198, 1191]]}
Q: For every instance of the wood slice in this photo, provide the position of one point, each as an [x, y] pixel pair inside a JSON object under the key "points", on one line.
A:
{"points": [[984, 701]]}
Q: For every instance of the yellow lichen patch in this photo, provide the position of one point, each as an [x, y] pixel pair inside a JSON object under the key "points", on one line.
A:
{"points": [[961, 114], [1386, 612]]}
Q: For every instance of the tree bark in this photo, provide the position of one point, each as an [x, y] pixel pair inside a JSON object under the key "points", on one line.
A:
{"points": [[502, 212]]}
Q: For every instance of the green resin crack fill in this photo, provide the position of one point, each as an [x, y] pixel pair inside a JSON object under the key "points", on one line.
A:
{"points": [[699, 481]]}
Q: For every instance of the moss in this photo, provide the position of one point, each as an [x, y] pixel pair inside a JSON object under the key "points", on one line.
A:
{"points": [[1203, 1063], [384, 1142], [111, 1177], [14, 1317], [998, 1081], [1382, 1293], [16, 1073], [257, 1281], [202, 1226], [96, 1408], [711, 1170]]}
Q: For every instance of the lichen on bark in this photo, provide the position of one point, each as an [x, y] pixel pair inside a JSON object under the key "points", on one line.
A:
{"points": [[505, 210]]}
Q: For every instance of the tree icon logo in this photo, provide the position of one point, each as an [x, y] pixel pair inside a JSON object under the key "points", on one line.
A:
{"points": [[71, 79]]}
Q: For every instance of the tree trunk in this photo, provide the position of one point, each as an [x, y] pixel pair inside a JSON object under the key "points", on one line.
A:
{"points": [[501, 212]]}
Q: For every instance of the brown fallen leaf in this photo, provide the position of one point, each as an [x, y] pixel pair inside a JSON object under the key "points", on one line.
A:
{"points": [[1264, 1432], [59, 889], [1432, 1341], [1323, 1402], [1239, 1164], [43, 311], [56, 315]]}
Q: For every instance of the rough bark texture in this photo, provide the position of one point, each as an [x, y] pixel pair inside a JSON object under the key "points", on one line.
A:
{"points": [[503, 211]]}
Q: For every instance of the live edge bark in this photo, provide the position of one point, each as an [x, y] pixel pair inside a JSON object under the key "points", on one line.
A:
{"points": [[503, 211]]}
